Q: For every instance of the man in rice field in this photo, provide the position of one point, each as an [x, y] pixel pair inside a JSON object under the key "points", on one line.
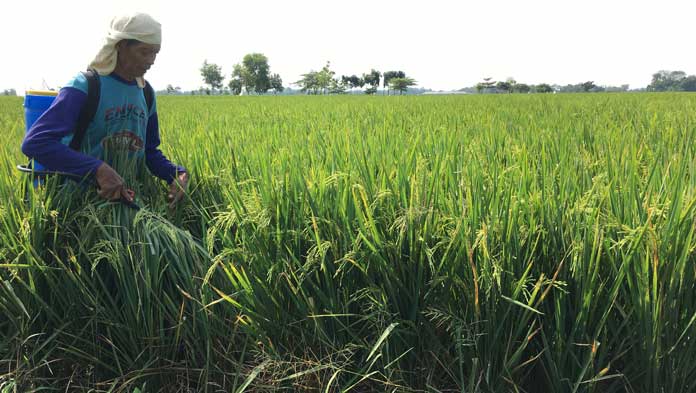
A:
{"points": [[122, 121]]}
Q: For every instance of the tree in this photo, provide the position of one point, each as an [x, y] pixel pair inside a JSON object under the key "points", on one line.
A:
{"points": [[251, 75], [308, 84], [504, 87], [569, 88], [388, 75], [485, 86], [212, 75], [666, 80], [587, 86], [276, 83], [508, 86], [316, 82], [372, 79], [401, 84], [241, 78], [325, 78], [257, 70], [9, 92], [521, 88], [688, 83], [236, 86], [337, 87], [543, 88], [353, 81]]}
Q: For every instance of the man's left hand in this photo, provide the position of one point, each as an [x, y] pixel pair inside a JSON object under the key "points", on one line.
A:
{"points": [[177, 189]]}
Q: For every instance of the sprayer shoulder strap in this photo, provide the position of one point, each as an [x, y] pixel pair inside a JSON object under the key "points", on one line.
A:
{"points": [[149, 97], [89, 109]]}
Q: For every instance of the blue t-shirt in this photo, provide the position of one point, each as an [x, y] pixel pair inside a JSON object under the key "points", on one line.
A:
{"points": [[121, 124]]}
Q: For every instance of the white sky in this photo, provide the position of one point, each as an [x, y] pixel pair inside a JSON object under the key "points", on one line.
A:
{"points": [[442, 44]]}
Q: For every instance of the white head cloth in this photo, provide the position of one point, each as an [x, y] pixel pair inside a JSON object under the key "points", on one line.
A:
{"points": [[137, 26]]}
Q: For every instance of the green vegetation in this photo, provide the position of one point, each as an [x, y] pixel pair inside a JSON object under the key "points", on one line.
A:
{"points": [[493, 243], [253, 75], [212, 75], [672, 81]]}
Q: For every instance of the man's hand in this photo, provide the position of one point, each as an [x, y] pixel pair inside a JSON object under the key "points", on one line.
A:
{"points": [[111, 185], [177, 189]]}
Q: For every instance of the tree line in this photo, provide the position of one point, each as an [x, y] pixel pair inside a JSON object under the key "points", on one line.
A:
{"points": [[672, 81], [510, 85], [253, 75], [325, 81], [661, 81]]}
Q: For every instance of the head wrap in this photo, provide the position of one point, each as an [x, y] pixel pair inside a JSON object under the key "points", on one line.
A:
{"points": [[137, 26]]}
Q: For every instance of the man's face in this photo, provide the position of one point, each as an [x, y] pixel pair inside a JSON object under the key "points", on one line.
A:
{"points": [[136, 58]]}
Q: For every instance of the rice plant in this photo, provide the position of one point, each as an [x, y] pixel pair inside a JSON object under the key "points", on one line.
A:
{"points": [[469, 244]]}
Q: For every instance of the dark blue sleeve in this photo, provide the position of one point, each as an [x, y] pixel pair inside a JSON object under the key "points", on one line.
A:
{"points": [[43, 140], [156, 162]]}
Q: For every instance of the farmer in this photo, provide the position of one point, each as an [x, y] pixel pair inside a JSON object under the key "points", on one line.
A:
{"points": [[122, 120]]}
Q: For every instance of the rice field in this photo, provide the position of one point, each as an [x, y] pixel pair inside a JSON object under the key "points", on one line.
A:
{"points": [[520, 243]]}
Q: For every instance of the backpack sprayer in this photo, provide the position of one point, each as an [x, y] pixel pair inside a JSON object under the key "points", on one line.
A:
{"points": [[36, 102]]}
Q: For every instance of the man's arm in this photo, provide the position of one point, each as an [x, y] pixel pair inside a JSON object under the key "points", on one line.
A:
{"points": [[43, 141], [156, 162]]}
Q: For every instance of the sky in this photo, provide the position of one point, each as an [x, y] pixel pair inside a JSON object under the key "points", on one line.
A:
{"points": [[442, 44]]}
